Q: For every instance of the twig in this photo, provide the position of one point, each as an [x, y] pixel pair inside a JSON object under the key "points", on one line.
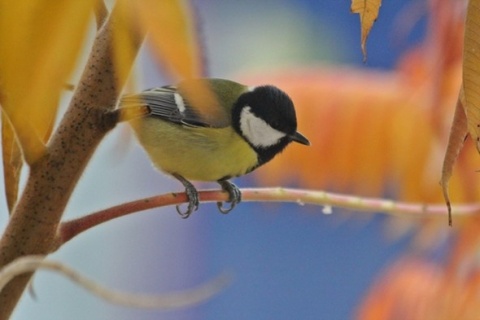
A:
{"points": [[172, 300], [101, 13]]}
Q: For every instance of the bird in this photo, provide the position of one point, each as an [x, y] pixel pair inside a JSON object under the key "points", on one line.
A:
{"points": [[208, 129]]}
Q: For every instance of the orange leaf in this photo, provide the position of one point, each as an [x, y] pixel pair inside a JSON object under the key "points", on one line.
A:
{"points": [[372, 131], [368, 11], [471, 70], [405, 291]]}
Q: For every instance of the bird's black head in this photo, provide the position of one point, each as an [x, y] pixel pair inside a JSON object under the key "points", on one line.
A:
{"points": [[265, 118]]}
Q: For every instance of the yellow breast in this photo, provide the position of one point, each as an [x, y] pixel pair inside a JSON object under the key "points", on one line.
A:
{"points": [[202, 154]]}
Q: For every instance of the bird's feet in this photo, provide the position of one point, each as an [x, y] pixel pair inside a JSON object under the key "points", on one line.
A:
{"points": [[192, 195], [235, 196]]}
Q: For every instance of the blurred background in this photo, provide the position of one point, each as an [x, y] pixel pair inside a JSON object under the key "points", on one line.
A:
{"points": [[377, 129]]}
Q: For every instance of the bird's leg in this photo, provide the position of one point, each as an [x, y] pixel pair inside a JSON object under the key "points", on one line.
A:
{"points": [[192, 195], [235, 196]]}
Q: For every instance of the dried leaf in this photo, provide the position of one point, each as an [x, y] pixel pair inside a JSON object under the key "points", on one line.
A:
{"points": [[368, 11], [458, 133], [471, 70], [12, 162]]}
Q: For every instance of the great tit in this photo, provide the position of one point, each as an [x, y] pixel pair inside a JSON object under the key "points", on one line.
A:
{"points": [[213, 130]]}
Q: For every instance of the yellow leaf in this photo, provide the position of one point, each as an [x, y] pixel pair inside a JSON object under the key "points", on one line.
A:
{"points": [[368, 11], [471, 70], [12, 162], [43, 41], [125, 38], [174, 39]]}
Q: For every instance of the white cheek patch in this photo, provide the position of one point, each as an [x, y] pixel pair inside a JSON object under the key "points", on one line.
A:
{"points": [[179, 102], [257, 131]]}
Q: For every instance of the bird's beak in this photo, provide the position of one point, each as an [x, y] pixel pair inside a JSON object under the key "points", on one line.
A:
{"points": [[300, 138]]}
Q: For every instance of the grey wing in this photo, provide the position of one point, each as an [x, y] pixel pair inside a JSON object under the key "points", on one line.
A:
{"points": [[167, 104]]}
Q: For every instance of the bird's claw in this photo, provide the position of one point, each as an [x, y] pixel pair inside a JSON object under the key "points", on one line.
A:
{"points": [[193, 202], [235, 196], [192, 195]]}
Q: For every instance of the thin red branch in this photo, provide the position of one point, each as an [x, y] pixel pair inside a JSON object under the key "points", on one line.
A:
{"points": [[72, 228]]}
